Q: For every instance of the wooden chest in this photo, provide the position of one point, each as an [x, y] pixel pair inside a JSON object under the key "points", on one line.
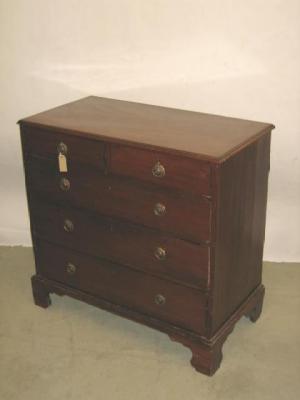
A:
{"points": [[152, 213]]}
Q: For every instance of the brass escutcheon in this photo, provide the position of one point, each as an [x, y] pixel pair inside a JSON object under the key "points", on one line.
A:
{"points": [[160, 253], [64, 184], [62, 148], [71, 269], [159, 209], [158, 170], [159, 299], [68, 225]]}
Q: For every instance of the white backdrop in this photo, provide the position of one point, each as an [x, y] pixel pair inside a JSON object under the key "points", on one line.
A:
{"points": [[233, 57]]}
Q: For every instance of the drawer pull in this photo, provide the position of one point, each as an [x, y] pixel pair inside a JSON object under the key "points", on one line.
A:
{"points": [[160, 299], [68, 225], [158, 170], [62, 148], [160, 253], [71, 269], [159, 209], [64, 184]]}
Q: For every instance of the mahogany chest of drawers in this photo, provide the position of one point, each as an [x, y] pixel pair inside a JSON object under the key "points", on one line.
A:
{"points": [[152, 213]]}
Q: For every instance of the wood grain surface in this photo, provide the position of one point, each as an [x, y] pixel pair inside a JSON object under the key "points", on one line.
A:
{"points": [[129, 244], [188, 217], [183, 306], [195, 134], [211, 190], [240, 218]]}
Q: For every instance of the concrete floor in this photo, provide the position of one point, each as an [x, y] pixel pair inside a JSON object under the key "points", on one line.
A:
{"points": [[75, 351]]}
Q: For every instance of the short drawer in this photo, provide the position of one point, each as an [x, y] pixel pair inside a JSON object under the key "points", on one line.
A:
{"points": [[161, 169], [47, 144], [132, 245], [183, 215], [178, 305]]}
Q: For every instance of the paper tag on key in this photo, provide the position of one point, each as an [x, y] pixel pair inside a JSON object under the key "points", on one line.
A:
{"points": [[62, 163]]}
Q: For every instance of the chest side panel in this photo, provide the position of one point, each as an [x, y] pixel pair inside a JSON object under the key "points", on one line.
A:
{"points": [[240, 227]]}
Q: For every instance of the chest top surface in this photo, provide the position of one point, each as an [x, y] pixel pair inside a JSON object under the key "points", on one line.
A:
{"points": [[195, 134]]}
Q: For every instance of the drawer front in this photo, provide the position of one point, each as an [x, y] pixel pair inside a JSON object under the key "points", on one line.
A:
{"points": [[161, 169], [187, 217], [128, 244], [47, 144], [184, 307]]}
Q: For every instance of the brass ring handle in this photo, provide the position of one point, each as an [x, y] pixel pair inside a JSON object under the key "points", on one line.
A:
{"points": [[158, 170], [160, 253], [71, 268], [159, 209], [62, 148], [160, 299], [68, 225], [64, 184]]}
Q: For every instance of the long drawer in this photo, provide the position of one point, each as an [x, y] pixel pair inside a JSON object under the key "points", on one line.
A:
{"points": [[186, 216], [156, 297], [133, 245]]}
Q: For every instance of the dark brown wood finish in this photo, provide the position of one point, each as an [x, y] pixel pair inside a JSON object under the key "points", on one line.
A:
{"points": [[206, 353], [242, 197], [186, 216], [181, 306], [128, 244], [95, 228], [197, 135], [179, 172], [44, 144]]}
